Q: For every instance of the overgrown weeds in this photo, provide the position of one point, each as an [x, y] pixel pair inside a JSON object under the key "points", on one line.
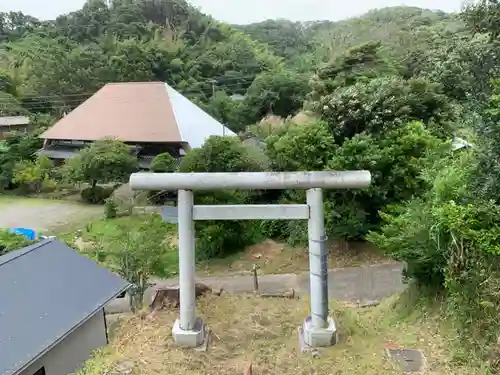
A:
{"points": [[449, 241], [248, 329]]}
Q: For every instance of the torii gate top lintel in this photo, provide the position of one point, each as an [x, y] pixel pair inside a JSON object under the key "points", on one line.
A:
{"points": [[250, 180]]}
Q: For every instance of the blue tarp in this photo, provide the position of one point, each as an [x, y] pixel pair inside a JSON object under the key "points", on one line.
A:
{"points": [[30, 234]]}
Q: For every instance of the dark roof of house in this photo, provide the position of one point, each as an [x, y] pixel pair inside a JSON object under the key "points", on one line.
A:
{"points": [[47, 291], [138, 112]]}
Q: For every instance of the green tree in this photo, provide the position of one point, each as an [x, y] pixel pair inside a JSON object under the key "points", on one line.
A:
{"points": [[304, 147], [139, 254], [279, 93], [396, 161], [18, 147], [448, 239], [222, 154], [358, 64], [482, 17], [286, 38], [225, 109], [104, 161], [32, 174], [163, 163], [10, 106], [385, 103]]}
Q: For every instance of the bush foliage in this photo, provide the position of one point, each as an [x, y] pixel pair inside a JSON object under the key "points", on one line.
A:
{"points": [[11, 241], [222, 154], [449, 237]]}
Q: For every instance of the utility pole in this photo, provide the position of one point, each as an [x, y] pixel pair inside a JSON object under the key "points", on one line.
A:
{"points": [[213, 88], [214, 82]]}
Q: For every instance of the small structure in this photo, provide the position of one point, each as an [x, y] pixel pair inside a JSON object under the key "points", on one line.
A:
{"points": [[52, 309], [460, 143], [150, 116], [11, 124], [319, 328]]}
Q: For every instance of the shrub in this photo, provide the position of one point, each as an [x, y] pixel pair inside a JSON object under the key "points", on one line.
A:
{"points": [[411, 232], [31, 175], [385, 103], [395, 161], [163, 163], [110, 208], [96, 194], [137, 251], [219, 239], [304, 147], [449, 239], [222, 154], [11, 241], [104, 161], [49, 185]]}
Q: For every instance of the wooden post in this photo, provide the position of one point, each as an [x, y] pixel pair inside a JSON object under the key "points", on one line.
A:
{"points": [[255, 278]]}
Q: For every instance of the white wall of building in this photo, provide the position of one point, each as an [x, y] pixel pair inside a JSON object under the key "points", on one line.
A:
{"points": [[72, 352]]}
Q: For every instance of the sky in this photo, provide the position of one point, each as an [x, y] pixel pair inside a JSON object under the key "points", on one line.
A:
{"points": [[248, 11]]}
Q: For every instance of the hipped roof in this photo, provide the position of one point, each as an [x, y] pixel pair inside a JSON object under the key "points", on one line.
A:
{"points": [[138, 112]]}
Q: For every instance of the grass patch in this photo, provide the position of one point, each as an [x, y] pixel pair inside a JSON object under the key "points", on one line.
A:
{"points": [[96, 237], [247, 328], [271, 257]]}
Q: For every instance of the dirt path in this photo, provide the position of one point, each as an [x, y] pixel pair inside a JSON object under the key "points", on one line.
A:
{"points": [[43, 214]]}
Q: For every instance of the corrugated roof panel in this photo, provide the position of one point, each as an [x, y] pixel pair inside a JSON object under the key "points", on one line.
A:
{"points": [[47, 290], [195, 125]]}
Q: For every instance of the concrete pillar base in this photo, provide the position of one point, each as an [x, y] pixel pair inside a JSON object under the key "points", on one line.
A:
{"points": [[192, 339], [315, 338]]}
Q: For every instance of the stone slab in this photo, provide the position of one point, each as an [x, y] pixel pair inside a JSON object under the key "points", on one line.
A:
{"points": [[409, 360]]}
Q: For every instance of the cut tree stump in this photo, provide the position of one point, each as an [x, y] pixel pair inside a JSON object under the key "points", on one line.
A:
{"points": [[169, 297]]}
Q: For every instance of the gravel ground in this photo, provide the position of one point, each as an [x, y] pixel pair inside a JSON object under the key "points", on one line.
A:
{"points": [[43, 214]]}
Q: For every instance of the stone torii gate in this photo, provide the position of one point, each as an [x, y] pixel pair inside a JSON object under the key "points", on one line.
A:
{"points": [[318, 329]]}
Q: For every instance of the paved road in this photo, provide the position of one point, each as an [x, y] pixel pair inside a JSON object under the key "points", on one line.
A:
{"points": [[361, 284], [43, 214]]}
